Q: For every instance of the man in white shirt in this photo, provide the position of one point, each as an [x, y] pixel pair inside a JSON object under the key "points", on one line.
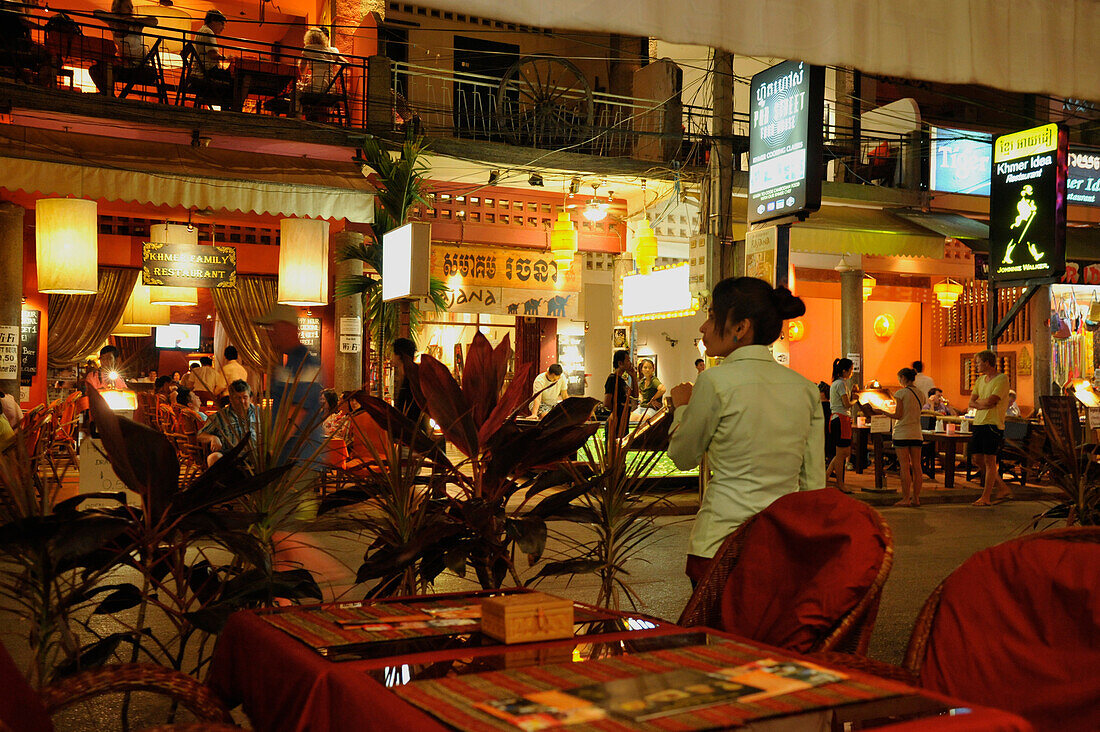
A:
{"points": [[209, 56], [923, 383], [208, 378], [232, 369], [548, 397]]}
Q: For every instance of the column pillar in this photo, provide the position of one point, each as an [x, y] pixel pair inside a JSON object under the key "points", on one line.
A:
{"points": [[11, 284], [349, 366], [851, 318], [1040, 344]]}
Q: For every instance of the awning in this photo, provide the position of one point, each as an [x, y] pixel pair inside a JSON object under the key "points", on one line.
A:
{"points": [[849, 230], [950, 225], [52, 163], [1031, 46]]}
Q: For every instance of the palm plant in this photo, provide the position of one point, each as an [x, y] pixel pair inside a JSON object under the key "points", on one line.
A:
{"points": [[1071, 462], [400, 186]]}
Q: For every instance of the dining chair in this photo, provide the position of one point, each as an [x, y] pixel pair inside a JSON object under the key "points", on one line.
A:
{"points": [[804, 574], [329, 102], [1014, 627], [23, 709], [203, 92]]}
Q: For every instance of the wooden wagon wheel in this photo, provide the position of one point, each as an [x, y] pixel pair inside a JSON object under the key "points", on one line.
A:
{"points": [[544, 101]]}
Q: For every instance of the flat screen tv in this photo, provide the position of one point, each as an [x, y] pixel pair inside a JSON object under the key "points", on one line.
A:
{"points": [[182, 336]]}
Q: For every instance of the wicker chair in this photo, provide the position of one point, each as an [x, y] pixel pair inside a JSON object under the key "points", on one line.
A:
{"points": [[1034, 697], [21, 708], [851, 632]]}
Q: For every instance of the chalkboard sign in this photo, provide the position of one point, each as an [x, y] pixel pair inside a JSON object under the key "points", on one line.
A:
{"points": [[28, 343]]}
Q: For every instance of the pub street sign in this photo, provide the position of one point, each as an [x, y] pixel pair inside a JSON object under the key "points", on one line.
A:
{"points": [[786, 108], [1027, 205], [188, 265]]}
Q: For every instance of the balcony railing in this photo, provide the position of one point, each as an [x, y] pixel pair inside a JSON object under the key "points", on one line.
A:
{"points": [[541, 101]]}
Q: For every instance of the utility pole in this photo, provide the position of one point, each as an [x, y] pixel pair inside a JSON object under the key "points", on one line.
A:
{"points": [[719, 206]]}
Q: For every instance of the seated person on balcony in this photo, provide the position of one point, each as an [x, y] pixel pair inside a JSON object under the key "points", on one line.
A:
{"points": [[126, 29], [208, 57], [232, 424], [318, 63], [106, 377], [191, 404]]}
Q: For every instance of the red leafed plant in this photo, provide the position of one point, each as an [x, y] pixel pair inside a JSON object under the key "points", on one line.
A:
{"points": [[501, 458]]}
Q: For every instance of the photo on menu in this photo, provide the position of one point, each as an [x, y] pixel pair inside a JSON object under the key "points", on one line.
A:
{"points": [[662, 694], [774, 678], [543, 710]]}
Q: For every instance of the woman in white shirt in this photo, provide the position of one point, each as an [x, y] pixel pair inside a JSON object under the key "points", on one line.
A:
{"points": [[907, 437], [760, 424]]}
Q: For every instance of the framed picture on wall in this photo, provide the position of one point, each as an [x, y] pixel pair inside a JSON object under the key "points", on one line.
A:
{"points": [[620, 337]]}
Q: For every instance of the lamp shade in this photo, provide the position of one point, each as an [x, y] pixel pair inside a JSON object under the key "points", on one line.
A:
{"points": [[173, 234], [796, 331], [884, 325], [563, 241], [139, 311], [645, 247], [67, 246], [131, 331], [303, 262]]}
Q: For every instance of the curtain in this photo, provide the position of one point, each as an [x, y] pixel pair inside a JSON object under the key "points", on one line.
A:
{"points": [[80, 324], [237, 308]]}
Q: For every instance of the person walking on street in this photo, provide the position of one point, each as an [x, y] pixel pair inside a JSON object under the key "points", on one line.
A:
{"points": [[989, 398]]}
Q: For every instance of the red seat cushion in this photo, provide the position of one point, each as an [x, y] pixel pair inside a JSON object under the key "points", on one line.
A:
{"points": [[1017, 628], [806, 561], [20, 707]]}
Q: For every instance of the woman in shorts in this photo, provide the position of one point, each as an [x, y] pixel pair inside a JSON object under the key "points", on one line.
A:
{"points": [[907, 438], [840, 421]]}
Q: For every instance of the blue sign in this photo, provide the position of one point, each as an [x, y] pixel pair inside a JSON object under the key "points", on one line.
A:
{"points": [[960, 161]]}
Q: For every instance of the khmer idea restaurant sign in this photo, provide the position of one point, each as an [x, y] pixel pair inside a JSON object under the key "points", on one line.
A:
{"points": [[187, 265]]}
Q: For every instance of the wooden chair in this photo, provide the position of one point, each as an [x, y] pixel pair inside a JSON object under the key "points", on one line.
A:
{"points": [[22, 709], [327, 103], [203, 92], [192, 457], [1014, 628], [63, 436], [850, 631]]}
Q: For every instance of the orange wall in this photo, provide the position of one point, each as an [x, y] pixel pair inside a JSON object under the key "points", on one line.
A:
{"points": [[813, 355]]}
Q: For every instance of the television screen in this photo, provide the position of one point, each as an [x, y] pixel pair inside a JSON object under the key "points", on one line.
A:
{"points": [[960, 161], [183, 336]]}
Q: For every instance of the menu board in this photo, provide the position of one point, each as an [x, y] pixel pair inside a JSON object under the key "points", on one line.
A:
{"points": [[28, 343], [309, 333]]}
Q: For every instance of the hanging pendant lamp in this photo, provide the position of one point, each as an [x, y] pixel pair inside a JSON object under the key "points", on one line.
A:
{"points": [[869, 283], [173, 234], [139, 311], [645, 247], [131, 331], [947, 292], [563, 241], [67, 246], [303, 262]]}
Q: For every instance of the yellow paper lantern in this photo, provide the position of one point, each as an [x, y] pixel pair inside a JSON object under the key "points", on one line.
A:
{"points": [[67, 246], [645, 247], [868, 286], [303, 262], [563, 241], [796, 331], [947, 292], [139, 311], [164, 295], [885, 325], [131, 331]]}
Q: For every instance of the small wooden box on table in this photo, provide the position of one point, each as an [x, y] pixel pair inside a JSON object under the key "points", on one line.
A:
{"points": [[526, 617]]}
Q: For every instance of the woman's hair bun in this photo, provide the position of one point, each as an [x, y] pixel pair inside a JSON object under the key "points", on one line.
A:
{"points": [[786, 304]]}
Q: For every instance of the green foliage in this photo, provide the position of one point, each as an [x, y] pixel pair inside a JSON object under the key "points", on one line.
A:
{"points": [[400, 184], [1071, 462]]}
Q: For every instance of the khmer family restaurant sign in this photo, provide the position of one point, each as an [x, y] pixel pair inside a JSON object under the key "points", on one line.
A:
{"points": [[187, 265], [1027, 204]]}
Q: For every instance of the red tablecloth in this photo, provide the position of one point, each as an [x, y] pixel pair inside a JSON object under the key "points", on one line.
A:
{"points": [[286, 686]]}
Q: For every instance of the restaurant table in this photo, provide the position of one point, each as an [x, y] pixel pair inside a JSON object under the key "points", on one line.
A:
{"points": [[430, 684], [860, 438], [944, 446], [264, 79]]}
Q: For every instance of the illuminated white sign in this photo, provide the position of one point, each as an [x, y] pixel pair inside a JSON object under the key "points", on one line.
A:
{"points": [[663, 293], [406, 258]]}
